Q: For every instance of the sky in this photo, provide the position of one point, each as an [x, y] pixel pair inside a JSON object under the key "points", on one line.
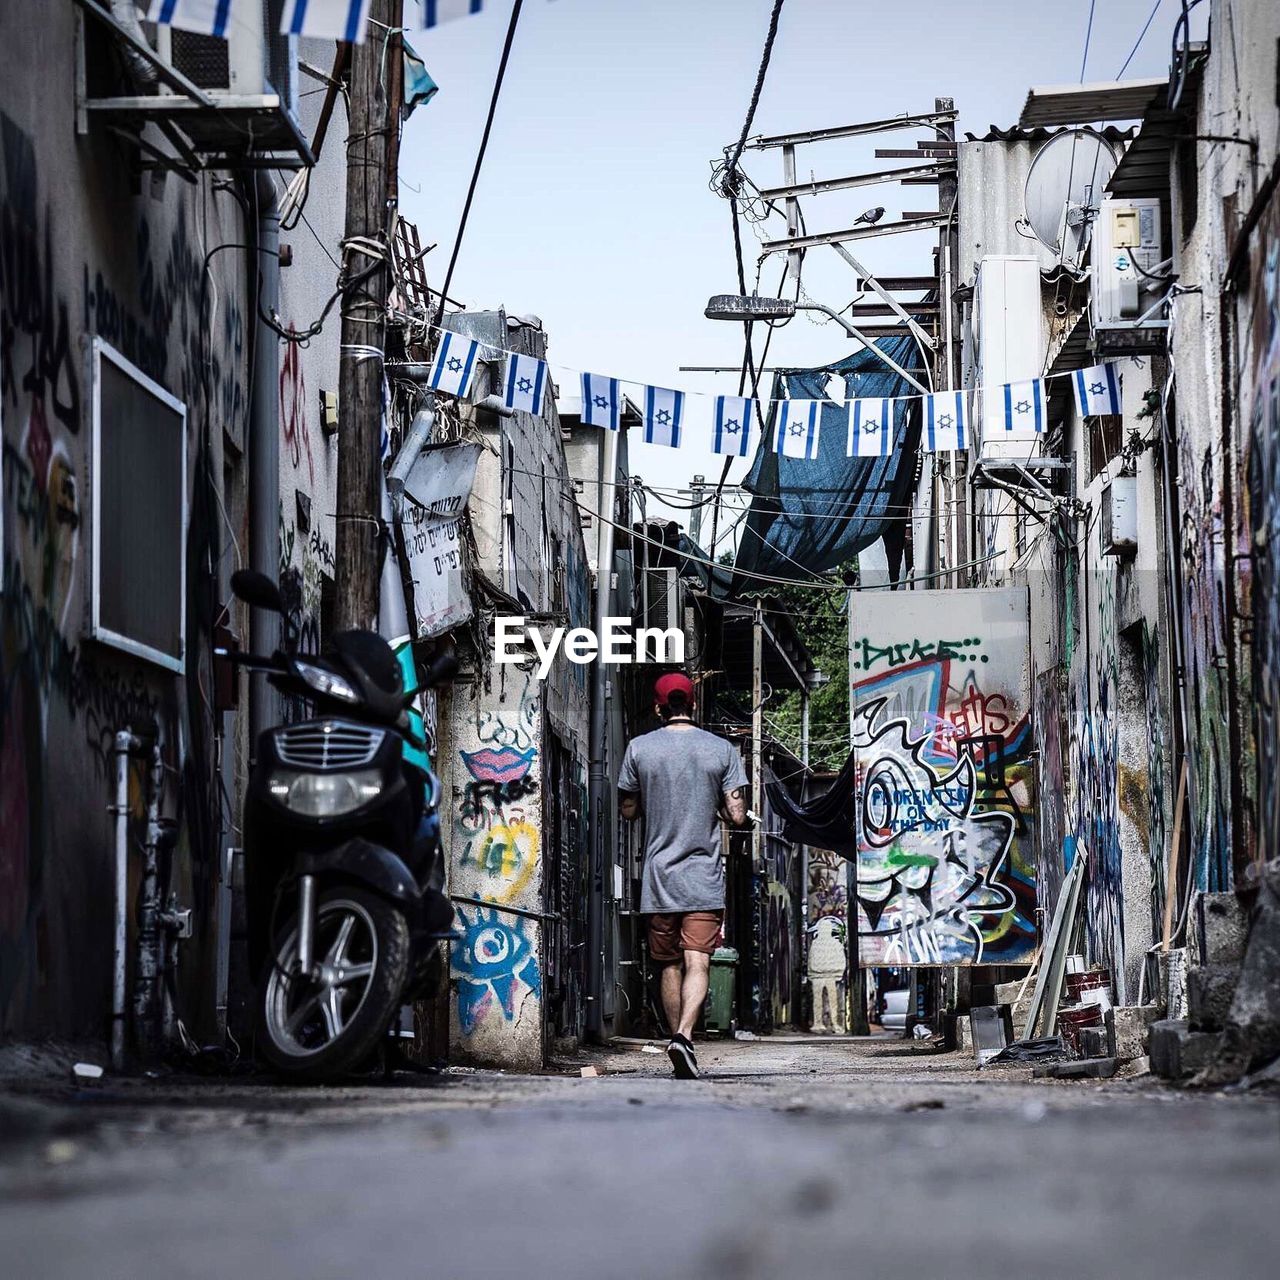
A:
{"points": [[594, 211]]}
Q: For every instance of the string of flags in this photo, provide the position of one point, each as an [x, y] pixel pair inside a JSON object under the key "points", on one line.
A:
{"points": [[1019, 409], [324, 19]]}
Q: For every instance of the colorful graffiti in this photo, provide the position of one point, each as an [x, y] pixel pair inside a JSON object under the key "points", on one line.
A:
{"points": [[1262, 400], [827, 963], [496, 965], [945, 849]]}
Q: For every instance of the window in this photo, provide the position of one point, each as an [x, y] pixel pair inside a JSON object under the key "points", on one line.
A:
{"points": [[139, 512]]}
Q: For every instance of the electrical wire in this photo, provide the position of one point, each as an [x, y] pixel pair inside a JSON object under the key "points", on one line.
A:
{"points": [[1142, 35], [731, 165], [484, 146]]}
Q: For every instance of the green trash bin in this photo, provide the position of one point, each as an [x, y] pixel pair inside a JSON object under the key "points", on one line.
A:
{"points": [[718, 1011]]}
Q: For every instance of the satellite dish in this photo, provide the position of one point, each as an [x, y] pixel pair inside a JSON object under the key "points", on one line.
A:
{"points": [[1064, 190]]}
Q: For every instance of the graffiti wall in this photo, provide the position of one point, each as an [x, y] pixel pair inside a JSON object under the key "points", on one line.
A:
{"points": [[495, 772], [940, 704], [1260, 402], [86, 252]]}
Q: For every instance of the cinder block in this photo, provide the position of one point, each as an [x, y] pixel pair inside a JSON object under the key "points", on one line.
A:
{"points": [[1007, 993], [964, 1033], [1094, 1042], [1210, 990], [1177, 1051], [1085, 1068], [1224, 929], [1127, 1027]]}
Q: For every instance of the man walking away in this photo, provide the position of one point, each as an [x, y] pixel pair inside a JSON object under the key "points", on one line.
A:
{"points": [[683, 780]]}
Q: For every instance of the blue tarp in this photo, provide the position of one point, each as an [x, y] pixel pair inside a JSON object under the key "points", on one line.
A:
{"points": [[817, 515]]}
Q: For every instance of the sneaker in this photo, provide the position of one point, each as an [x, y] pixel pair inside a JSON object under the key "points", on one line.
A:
{"points": [[683, 1061]]}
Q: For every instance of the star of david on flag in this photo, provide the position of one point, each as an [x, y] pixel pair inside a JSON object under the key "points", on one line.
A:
{"points": [[795, 430], [601, 402], [1097, 389], [329, 19], [209, 17], [663, 416], [732, 433], [870, 429], [454, 364], [526, 384], [421, 15], [1024, 407], [946, 422]]}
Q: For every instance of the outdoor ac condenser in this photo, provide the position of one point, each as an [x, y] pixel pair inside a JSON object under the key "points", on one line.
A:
{"points": [[253, 60], [1128, 242], [1009, 328], [660, 602]]}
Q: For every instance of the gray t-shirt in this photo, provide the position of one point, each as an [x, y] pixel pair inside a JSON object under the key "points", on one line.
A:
{"points": [[681, 773]]}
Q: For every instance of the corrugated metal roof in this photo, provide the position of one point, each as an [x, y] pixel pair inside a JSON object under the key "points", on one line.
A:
{"points": [[1018, 134], [1086, 103]]}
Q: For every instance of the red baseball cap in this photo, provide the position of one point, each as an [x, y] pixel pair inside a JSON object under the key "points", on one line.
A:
{"points": [[672, 682]]}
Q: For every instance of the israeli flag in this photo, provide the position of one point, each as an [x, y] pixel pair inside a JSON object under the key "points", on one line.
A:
{"points": [[1097, 389], [946, 422], [601, 402], [328, 19], [454, 364], [526, 383], [733, 425], [209, 17], [663, 416], [420, 15], [795, 433], [1024, 407], [870, 429]]}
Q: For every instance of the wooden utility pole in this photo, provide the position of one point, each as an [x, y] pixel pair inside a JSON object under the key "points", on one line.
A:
{"points": [[372, 157]]}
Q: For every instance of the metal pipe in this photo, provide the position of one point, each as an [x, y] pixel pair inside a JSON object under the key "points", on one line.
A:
{"points": [[264, 447], [600, 823], [148, 964], [125, 744], [866, 342], [306, 923]]}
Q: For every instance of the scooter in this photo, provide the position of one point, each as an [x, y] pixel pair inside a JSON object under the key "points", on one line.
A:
{"points": [[343, 866]]}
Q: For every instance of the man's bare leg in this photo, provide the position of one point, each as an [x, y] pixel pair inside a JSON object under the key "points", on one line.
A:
{"points": [[693, 990], [672, 984]]}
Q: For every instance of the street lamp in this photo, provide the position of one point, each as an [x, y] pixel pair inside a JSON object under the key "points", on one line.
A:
{"points": [[745, 308]]}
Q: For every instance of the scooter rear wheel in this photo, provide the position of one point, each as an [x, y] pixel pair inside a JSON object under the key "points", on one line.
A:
{"points": [[322, 1027]]}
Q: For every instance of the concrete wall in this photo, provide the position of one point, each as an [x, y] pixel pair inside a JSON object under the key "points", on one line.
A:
{"points": [[89, 246], [309, 453], [511, 842]]}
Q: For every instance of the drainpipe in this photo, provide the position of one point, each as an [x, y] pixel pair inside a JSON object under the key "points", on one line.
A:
{"points": [[264, 447], [125, 744], [600, 816]]}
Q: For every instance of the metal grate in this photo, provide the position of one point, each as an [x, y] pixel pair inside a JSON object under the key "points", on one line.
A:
{"points": [[328, 744], [202, 59]]}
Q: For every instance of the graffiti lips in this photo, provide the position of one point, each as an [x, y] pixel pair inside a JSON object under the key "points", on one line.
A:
{"points": [[499, 764]]}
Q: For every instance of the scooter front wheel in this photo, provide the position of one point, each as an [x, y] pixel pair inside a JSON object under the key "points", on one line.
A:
{"points": [[323, 1025]]}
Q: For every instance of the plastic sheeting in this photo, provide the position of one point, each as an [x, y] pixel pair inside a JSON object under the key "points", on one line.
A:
{"points": [[817, 515], [829, 821]]}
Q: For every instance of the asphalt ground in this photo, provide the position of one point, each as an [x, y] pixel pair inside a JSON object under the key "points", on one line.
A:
{"points": [[807, 1157]]}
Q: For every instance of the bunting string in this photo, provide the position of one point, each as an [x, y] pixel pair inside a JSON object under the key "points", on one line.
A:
{"points": [[728, 425]]}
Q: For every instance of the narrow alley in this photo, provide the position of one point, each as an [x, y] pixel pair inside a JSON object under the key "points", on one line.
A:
{"points": [[797, 1156]]}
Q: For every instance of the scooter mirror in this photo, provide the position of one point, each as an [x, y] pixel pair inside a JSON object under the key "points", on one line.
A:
{"points": [[442, 670], [257, 589]]}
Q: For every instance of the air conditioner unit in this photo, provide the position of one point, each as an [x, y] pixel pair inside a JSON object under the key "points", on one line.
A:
{"points": [[1008, 326], [660, 600], [252, 61], [1128, 242]]}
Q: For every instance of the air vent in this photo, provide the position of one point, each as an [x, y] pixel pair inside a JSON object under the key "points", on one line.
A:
{"points": [[328, 744], [202, 59]]}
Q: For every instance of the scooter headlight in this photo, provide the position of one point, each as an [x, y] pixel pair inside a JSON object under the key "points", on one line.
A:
{"points": [[326, 683], [324, 795]]}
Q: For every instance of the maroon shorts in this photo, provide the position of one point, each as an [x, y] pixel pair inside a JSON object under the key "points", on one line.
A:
{"points": [[674, 933]]}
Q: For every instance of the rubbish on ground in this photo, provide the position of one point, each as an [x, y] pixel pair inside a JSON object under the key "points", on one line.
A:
{"points": [[650, 1048], [1043, 1014], [923, 1104], [1046, 1049], [60, 1150], [922, 1031], [86, 1073], [1080, 1069], [745, 1035], [588, 1071]]}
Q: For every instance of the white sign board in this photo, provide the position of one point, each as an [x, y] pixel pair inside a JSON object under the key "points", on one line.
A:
{"points": [[437, 489]]}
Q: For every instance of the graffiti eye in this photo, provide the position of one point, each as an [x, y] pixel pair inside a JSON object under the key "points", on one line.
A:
{"points": [[881, 807], [493, 945]]}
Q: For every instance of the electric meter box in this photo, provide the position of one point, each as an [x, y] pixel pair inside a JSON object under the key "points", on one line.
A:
{"points": [[1127, 236], [1119, 525]]}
